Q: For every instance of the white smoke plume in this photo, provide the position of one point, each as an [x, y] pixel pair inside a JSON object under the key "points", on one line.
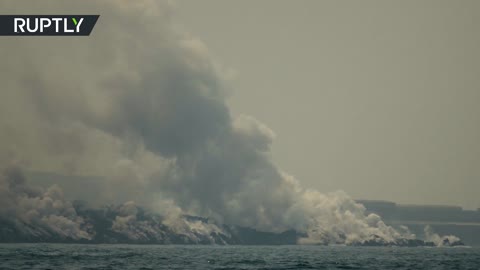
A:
{"points": [[130, 223], [439, 241], [37, 211], [126, 223], [142, 105]]}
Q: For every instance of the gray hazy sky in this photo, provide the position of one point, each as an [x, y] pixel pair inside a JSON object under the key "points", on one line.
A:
{"points": [[377, 98]]}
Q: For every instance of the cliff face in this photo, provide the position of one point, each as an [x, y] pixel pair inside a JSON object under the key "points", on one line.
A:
{"points": [[391, 211], [444, 219], [115, 225], [109, 225]]}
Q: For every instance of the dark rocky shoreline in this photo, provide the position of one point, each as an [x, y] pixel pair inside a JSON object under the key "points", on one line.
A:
{"points": [[150, 229]]}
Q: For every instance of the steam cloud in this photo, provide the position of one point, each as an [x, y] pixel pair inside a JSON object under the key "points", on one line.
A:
{"points": [[438, 240], [36, 211], [142, 105]]}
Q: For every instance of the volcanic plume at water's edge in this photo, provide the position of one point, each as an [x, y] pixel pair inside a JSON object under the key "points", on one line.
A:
{"points": [[141, 104]]}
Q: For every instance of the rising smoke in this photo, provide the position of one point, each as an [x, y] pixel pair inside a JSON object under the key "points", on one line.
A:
{"points": [[142, 105], [36, 211]]}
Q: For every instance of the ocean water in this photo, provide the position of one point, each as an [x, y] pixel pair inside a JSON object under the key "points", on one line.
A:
{"points": [[70, 256]]}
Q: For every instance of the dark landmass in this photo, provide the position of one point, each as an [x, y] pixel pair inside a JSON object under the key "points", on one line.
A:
{"points": [[409, 212], [151, 231], [146, 228], [111, 224], [444, 219]]}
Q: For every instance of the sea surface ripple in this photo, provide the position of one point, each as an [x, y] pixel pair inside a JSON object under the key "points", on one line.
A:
{"points": [[73, 256]]}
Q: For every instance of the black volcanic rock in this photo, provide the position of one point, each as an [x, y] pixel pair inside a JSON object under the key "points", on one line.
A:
{"points": [[144, 227], [446, 242]]}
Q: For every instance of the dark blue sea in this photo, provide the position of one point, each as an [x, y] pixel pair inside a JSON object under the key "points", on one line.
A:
{"points": [[69, 256]]}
